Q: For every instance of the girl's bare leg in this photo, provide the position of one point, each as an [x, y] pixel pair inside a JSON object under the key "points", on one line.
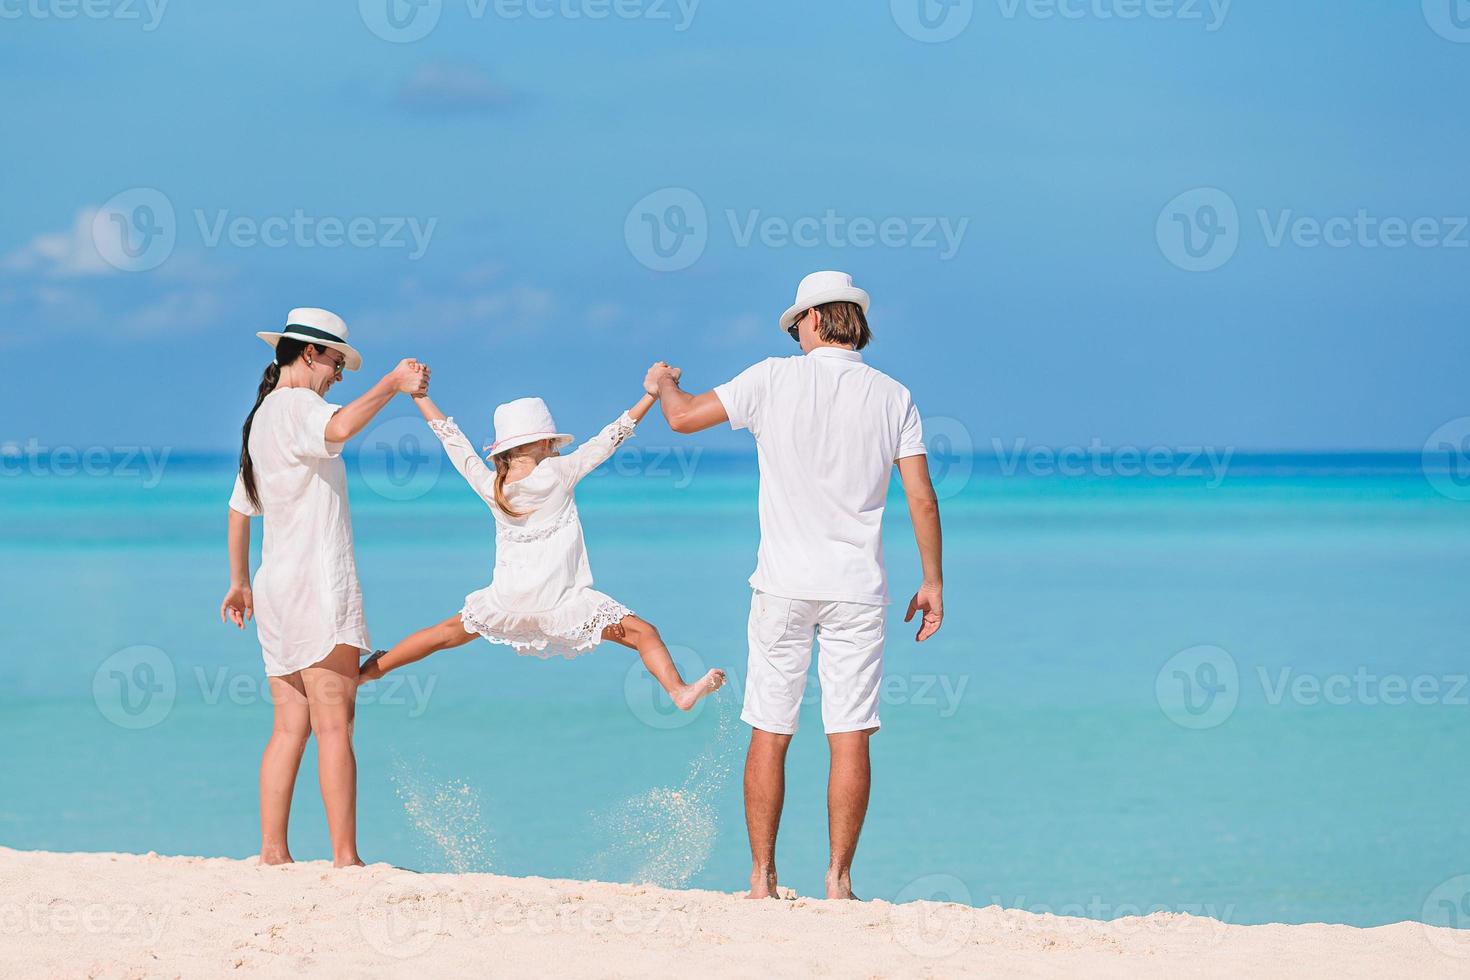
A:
{"points": [[643, 636], [446, 635], [279, 764], [331, 693]]}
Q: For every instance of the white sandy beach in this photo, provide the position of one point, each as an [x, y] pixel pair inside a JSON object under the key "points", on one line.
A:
{"points": [[112, 915]]}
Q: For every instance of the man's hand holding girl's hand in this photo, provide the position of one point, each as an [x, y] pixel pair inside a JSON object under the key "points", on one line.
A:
{"points": [[656, 375], [410, 377]]}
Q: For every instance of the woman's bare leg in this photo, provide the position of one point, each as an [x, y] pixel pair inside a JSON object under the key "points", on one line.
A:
{"points": [[643, 636], [444, 636], [279, 764], [331, 692]]}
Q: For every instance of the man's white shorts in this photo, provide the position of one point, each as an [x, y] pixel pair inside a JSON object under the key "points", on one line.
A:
{"points": [[850, 664]]}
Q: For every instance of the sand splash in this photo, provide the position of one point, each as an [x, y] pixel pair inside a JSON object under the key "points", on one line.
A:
{"points": [[665, 835], [447, 813]]}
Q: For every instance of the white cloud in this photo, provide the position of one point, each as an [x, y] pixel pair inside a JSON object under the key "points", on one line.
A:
{"points": [[518, 309], [63, 253]]}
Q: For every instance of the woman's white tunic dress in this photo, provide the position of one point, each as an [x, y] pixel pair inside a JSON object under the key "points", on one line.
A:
{"points": [[540, 600], [307, 598]]}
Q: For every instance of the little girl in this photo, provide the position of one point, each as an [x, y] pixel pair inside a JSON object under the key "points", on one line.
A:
{"points": [[540, 600]]}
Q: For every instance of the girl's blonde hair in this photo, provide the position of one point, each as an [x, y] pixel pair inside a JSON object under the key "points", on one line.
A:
{"points": [[502, 470]]}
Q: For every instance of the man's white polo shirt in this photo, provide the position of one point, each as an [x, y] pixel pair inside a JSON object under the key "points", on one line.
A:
{"points": [[828, 429]]}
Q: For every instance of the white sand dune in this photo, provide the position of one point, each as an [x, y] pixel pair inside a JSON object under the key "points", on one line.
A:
{"points": [[118, 915]]}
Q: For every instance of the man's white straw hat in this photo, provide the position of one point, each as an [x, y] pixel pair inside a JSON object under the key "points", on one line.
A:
{"points": [[521, 421], [315, 326], [823, 287]]}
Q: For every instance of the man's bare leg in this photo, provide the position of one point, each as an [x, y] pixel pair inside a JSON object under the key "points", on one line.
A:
{"points": [[765, 791], [848, 785]]}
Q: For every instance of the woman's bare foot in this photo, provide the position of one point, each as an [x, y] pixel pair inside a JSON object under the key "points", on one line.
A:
{"points": [[689, 696], [275, 855], [369, 671], [763, 884], [350, 861]]}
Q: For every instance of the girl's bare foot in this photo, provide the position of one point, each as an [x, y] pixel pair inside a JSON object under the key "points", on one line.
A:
{"points": [[369, 671], [689, 696]]}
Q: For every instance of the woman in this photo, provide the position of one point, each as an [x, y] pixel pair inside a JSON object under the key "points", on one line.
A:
{"points": [[310, 619]]}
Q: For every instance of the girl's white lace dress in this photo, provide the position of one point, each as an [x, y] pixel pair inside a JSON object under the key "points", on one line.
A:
{"points": [[540, 600]]}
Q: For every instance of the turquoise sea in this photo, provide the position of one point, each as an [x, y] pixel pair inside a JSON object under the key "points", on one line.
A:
{"points": [[1245, 698]]}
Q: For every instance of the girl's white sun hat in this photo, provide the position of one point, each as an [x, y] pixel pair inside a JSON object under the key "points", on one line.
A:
{"points": [[315, 326], [823, 287], [521, 421]]}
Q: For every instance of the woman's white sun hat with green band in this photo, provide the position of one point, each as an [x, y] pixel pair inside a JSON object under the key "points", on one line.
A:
{"points": [[316, 326]]}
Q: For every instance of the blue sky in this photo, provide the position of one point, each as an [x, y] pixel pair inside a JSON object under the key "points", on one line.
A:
{"points": [[1048, 138]]}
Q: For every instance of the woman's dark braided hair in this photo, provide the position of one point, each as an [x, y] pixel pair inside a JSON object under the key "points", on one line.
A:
{"points": [[288, 350]]}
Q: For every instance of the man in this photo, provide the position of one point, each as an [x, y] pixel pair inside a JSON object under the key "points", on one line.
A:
{"points": [[828, 430]]}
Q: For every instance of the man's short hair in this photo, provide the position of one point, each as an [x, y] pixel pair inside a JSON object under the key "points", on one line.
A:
{"points": [[844, 323]]}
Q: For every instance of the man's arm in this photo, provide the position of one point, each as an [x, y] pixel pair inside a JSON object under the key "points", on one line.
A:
{"points": [[684, 412], [924, 512]]}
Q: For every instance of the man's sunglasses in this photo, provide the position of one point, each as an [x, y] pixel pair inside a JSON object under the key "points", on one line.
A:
{"points": [[795, 328]]}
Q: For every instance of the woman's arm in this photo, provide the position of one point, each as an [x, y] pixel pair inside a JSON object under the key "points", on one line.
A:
{"points": [[409, 378], [458, 448], [238, 604]]}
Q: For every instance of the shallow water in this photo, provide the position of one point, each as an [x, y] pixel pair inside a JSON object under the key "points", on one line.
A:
{"points": [[1246, 699]]}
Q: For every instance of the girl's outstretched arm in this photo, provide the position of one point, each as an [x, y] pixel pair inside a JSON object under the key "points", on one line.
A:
{"points": [[459, 450], [595, 451]]}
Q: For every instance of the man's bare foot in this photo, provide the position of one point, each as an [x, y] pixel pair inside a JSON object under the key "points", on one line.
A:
{"points": [[839, 888], [275, 855], [763, 885], [691, 693], [370, 671]]}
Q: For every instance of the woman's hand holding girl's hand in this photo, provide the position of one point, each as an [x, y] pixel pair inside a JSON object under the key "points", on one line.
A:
{"points": [[410, 377], [239, 605]]}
